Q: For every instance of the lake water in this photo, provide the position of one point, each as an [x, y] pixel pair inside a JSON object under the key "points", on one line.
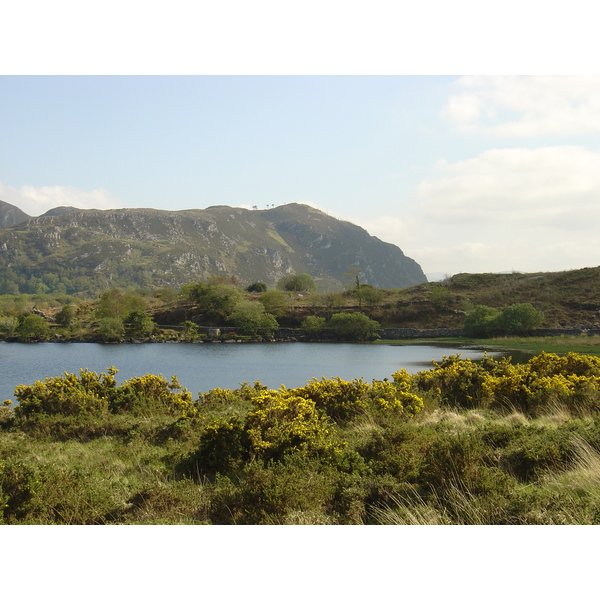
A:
{"points": [[201, 367]]}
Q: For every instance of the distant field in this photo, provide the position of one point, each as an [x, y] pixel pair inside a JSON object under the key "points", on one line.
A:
{"points": [[559, 344]]}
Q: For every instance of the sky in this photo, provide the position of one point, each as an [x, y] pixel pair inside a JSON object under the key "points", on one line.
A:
{"points": [[465, 173]]}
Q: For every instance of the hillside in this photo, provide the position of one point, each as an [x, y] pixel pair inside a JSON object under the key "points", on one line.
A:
{"points": [[70, 251], [11, 215], [567, 298]]}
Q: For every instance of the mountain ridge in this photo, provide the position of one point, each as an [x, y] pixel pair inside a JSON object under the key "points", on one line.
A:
{"points": [[148, 247]]}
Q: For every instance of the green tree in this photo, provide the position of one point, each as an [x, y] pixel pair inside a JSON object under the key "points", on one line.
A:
{"points": [[302, 282], [217, 300], [368, 295], [353, 326], [519, 319], [482, 321], [111, 329], [111, 304], [353, 275], [313, 326], [257, 286], [138, 323], [66, 315], [8, 325], [332, 301], [33, 328], [252, 319], [134, 301], [275, 302]]}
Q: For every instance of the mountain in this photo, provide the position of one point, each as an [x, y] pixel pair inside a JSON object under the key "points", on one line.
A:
{"points": [[73, 250], [60, 210], [11, 215]]}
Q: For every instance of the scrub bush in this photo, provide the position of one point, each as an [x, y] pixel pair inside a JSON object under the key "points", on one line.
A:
{"points": [[88, 393], [343, 400], [153, 394], [20, 485]]}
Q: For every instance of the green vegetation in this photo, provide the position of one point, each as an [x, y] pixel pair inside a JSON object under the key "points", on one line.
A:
{"points": [[252, 319], [464, 443], [560, 344], [354, 326], [481, 305], [302, 282], [516, 319], [87, 251], [33, 328]]}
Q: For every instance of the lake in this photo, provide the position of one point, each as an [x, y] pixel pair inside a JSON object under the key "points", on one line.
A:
{"points": [[201, 367]]}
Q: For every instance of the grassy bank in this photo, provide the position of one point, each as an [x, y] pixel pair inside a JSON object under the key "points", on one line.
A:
{"points": [[557, 344], [464, 443]]}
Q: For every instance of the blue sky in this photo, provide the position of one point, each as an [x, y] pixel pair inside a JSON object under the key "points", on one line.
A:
{"points": [[488, 173], [361, 113]]}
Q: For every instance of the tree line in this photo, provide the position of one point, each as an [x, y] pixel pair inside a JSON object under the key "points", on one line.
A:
{"points": [[254, 311]]}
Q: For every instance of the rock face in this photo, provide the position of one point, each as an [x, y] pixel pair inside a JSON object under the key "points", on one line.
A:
{"points": [[85, 250], [11, 215]]}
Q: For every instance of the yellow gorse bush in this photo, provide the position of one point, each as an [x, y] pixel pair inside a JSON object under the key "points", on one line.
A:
{"points": [[94, 394], [68, 394], [151, 393], [342, 400], [573, 380], [284, 422]]}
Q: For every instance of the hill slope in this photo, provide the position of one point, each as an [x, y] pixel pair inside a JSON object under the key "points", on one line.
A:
{"points": [[11, 215], [88, 250], [567, 298]]}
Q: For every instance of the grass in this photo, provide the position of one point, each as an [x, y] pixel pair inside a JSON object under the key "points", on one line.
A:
{"points": [[561, 344], [557, 344]]}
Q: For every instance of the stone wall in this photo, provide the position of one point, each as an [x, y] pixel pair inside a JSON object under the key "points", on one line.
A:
{"points": [[402, 333]]}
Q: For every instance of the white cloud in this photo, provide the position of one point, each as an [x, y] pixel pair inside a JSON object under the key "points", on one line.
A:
{"points": [[36, 201], [526, 106], [556, 186], [503, 210]]}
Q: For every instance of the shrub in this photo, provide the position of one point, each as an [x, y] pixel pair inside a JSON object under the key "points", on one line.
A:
{"points": [[481, 321], [111, 329], [313, 326], [295, 491], [70, 394], [252, 319], [275, 302], [66, 315], [153, 394], [343, 400], [190, 330], [33, 328], [257, 287], [20, 485], [138, 323], [284, 423], [279, 424], [519, 319], [302, 282], [353, 326]]}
